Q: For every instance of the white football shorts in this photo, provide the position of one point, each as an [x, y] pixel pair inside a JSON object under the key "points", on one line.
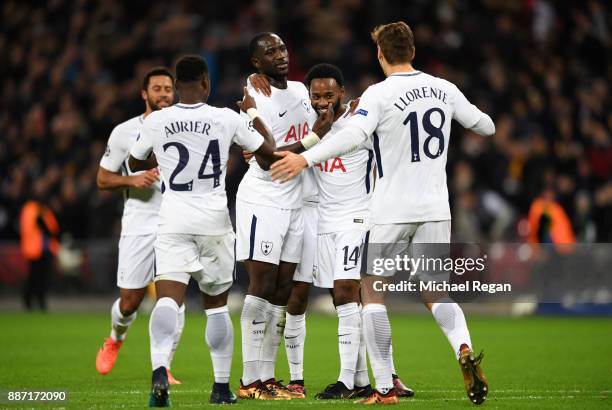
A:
{"points": [[268, 234], [339, 256], [136, 265], [305, 269], [208, 259], [405, 239]]}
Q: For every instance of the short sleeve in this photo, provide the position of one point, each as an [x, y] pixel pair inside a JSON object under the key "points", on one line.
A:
{"points": [[116, 151], [466, 113], [144, 143], [368, 113], [246, 135]]}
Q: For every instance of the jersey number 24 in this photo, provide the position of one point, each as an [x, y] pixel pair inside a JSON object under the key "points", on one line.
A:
{"points": [[212, 153]]}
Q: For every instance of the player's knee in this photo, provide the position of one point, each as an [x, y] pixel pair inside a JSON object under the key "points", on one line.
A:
{"points": [[345, 291], [298, 301], [129, 304]]}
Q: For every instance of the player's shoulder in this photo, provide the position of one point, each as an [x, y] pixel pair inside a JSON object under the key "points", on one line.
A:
{"points": [[297, 86], [440, 82], [130, 126], [224, 113]]}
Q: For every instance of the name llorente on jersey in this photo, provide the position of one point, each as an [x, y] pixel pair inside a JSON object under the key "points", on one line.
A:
{"points": [[418, 93]]}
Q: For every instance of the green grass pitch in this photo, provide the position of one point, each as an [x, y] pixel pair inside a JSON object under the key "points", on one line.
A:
{"points": [[530, 362]]}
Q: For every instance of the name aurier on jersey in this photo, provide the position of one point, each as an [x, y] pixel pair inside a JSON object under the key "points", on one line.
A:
{"points": [[418, 93], [187, 126]]}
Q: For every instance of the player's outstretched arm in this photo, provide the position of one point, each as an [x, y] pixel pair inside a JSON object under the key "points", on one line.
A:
{"points": [[108, 180]]}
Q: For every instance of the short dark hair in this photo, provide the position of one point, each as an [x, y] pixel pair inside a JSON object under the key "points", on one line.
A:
{"points": [[254, 44], [191, 68], [324, 70], [154, 72], [396, 42]]}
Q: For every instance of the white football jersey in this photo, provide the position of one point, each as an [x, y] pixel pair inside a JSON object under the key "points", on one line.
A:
{"points": [[289, 115], [408, 120], [344, 185], [191, 143], [141, 205]]}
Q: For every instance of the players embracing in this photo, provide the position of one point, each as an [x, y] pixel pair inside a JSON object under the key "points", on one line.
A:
{"points": [[407, 119]]}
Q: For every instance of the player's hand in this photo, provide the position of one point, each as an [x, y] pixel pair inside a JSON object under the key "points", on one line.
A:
{"points": [[261, 84], [353, 104], [247, 101], [287, 168], [324, 122], [146, 179], [247, 155]]}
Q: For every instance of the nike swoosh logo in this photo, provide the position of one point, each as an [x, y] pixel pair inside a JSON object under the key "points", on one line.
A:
{"points": [[281, 114], [290, 337], [345, 269], [258, 323], [346, 334]]}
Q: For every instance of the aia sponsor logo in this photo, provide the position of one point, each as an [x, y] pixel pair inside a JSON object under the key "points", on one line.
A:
{"points": [[297, 132], [331, 165]]}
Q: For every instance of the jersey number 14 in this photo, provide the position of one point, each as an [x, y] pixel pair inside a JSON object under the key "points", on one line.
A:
{"points": [[432, 131], [212, 153]]}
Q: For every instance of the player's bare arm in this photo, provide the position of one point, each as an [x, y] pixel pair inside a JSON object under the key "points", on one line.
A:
{"points": [[265, 154], [108, 180], [261, 84]]}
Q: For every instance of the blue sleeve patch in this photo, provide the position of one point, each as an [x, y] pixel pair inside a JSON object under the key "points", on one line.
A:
{"points": [[361, 111]]}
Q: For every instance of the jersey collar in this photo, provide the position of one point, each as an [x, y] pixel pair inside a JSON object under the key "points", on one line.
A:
{"points": [[406, 74], [189, 106]]}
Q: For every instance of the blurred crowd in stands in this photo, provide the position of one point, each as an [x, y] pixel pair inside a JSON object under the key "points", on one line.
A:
{"points": [[72, 70]]}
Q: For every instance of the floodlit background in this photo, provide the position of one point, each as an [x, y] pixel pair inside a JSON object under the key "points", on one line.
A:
{"points": [[72, 70]]}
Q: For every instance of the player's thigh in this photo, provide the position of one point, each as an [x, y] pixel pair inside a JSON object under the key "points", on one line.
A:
{"points": [[136, 264], [260, 231], [385, 242], [431, 242], [326, 259], [218, 262], [305, 269], [349, 247], [176, 256], [293, 240]]}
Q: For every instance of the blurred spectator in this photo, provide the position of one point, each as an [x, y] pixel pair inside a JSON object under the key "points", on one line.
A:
{"points": [[39, 245], [541, 68]]}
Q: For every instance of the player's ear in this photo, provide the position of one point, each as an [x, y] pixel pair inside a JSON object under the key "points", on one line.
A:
{"points": [[143, 94], [255, 62], [342, 93]]}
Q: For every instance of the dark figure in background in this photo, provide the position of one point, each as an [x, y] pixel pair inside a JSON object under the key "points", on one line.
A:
{"points": [[39, 244]]}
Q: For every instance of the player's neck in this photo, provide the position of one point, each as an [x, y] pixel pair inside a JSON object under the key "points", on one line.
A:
{"points": [[340, 112], [147, 112], [399, 68], [278, 82], [191, 97]]}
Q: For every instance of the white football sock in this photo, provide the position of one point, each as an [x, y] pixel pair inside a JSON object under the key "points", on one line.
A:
{"points": [[179, 332], [451, 320], [362, 378], [253, 325], [275, 329], [349, 335], [378, 340], [220, 340], [119, 323], [162, 329], [295, 334], [391, 357]]}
